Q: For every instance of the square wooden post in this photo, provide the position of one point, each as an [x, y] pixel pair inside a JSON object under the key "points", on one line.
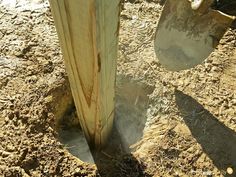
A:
{"points": [[88, 34]]}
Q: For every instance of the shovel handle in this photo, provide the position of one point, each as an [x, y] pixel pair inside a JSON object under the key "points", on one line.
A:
{"points": [[201, 5], [195, 4]]}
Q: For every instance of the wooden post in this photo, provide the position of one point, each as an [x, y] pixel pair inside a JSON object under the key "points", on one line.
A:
{"points": [[88, 34]]}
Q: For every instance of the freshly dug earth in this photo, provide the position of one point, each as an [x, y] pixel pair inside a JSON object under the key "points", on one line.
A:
{"points": [[191, 116]]}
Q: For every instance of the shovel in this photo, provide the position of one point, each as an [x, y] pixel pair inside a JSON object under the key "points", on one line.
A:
{"points": [[188, 32]]}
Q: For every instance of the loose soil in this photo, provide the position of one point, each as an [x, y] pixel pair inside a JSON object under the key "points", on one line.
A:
{"points": [[185, 121]]}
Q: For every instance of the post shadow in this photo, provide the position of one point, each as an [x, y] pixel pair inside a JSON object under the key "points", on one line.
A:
{"points": [[116, 159], [217, 140]]}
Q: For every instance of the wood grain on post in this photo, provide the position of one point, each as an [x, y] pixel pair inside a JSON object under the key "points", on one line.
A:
{"points": [[88, 34]]}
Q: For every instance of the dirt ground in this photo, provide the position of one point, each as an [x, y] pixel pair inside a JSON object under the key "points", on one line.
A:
{"points": [[190, 116]]}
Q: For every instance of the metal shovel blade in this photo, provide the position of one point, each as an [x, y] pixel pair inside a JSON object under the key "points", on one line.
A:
{"points": [[185, 37]]}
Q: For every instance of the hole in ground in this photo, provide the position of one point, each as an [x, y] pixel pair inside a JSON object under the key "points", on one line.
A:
{"points": [[132, 103], [72, 137]]}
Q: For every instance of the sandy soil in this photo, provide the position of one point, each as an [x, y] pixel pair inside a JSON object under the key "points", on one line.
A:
{"points": [[190, 116]]}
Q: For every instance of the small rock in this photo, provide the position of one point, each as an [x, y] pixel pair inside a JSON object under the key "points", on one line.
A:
{"points": [[11, 115], [6, 119], [10, 148], [182, 130], [5, 154]]}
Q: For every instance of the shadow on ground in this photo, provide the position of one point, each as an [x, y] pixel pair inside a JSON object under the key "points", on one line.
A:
{"points": [[132, 103], [217, 140]]}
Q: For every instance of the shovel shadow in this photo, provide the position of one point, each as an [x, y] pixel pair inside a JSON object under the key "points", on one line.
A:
{"points": [[217, 140]]}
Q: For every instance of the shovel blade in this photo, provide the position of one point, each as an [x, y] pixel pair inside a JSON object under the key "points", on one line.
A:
{"points": [[185, 37]]}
